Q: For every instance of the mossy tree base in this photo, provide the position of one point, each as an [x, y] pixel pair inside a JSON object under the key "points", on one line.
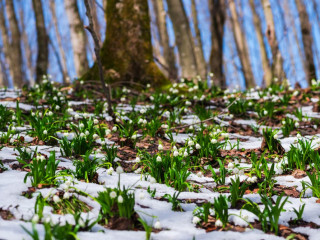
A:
{"points": [[126, 53]]}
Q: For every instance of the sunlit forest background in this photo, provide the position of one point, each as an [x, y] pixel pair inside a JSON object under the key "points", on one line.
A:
{"points": [[243, 43]]}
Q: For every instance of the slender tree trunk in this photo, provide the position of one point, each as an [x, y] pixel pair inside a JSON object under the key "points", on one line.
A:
{"points": [[198, 50], [78, 37], [61, 54], [4, 82], [168, 51], [263, 52], [241, 45], [307, 41], [184, 39], [277, 61], [15, 48], [27, 50], [218, 17], [95, 19], [126, 54], [42, 40]]}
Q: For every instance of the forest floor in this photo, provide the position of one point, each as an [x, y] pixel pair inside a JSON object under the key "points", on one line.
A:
{"points": [[205, 164]]}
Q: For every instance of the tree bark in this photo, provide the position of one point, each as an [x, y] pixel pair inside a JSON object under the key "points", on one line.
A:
{"points": [[78, 37], [61, 54], [4, 82], [198, 50], [218, 17], [184, 39], [42, 40], [263, 52], [14, 53], [126, 54], [277, 61], [168, 51], [307, 41], [241, 46]]}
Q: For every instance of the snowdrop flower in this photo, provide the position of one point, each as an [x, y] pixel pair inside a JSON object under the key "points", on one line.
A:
{"points": [[296, 124], [120, 199], [56, 199], [82, 135], [265, 112], [224, 135], [69, 110], [188, 103], [218, 223], [95, 121], [231, 165], [236, 170], [138, 171], [138, 159], [175, 153], [254, 179], [190, 143], [42, 158], [315, 126], [152, 180], [57, 107], [119, 170], [148, 85], [241, 172], [213, 141], [191, 127], [143, 111], [114, 128], [13, 118], [196, 220], [151, 98], [113, 194], [276, 136], [160, 147], [144, 121], [66, 195], [87, 133], [250, 104], [33, 114], [283, 122], [157, 225], [122, 99], [185, 154], [35, 218], [95, 136], [164, 126], [296, 93], [159, 159], [134, 136], [81, 125], [298, 135], [50, 113], [13, 129], [142, 196], [198, 146], [110, 171], [68, 183]]}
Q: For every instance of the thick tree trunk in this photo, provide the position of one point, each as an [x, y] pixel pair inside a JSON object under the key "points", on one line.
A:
{"points": [[78, 37], [42, 40], [14, 53], [218, 16], [198, 51], [62, 55], [307, 41], [277, 61], [263, 52], [126, 53], [241, 45], [184, 39], [168, 51], [4, 82]]}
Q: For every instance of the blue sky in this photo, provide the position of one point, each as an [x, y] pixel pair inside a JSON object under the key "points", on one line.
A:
{"points": [[292, 63]]}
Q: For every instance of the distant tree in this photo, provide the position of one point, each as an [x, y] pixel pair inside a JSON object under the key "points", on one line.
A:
{"points": [[168, 51], [42, 40], [12, 48], [218, 17], [307, 40], [126, 53], [241, 45], [78, 37]]}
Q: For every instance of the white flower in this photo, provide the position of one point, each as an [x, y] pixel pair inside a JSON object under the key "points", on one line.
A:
{"points": [[110, 171], [190, 143], [296, 124], [35, 218], [50, 113], [95, 136], [134, 136], [160, 147], [298, 135], [143, 111], [56, 199], [113, 194], [138, 159], [82, 135], [175, 153], [231, 165], [188, 103], [198, 146], [236, 170], [141, 195], [66, 195], [119, 170], [276, 136], [81, 125], [200, 174], [185, 154], [68, 183], [265, 112], [151, 98], [158, 159], [241, 172], [195, 220], [77, 116], [87, 133], [57, 107], [120, 199], [114, 128], [218, 223], [213, 141], [95, 121]]}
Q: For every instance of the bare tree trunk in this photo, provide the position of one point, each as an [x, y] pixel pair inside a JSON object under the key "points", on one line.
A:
{"points": [[241, 45], [307, 41], [42, 40], [263, 52], [27, 50], [78, 37], [61, 51], [184, 39], [218, 16], [126, 54], [198, 51], [4, 82], [277, 61], [15, 48], [168, 51], [95, 19]]}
